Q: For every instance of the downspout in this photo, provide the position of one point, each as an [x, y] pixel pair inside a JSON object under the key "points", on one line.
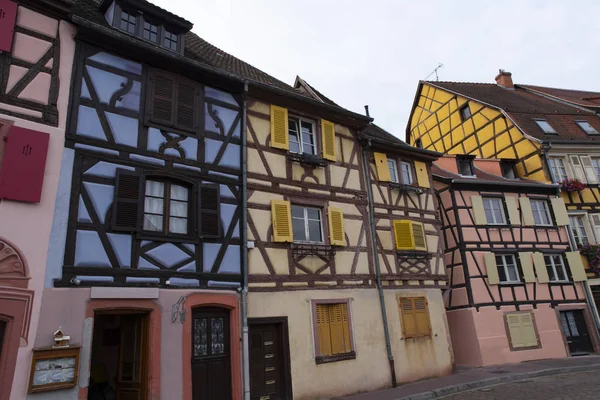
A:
{"points": [[386, 329], [243, 194]]}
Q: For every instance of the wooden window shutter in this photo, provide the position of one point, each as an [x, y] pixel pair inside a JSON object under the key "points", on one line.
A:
{"points": [[161, 100], [381, 164], [596, 225], [282, 221], [576, 266], [336, 324], [346, 327], [521, 330], [588, 168], [560, 211], [328, 140], [419, 238], [513, 212], [337, 236], [209, 206], [527, 265], [478, 211], [279, 128], [403, 233], [187, 106], [7, 24], [126, 206], [540, 267], [422, 175], [514, 330], [323, 330], [577, 168], [409, 321], [421, 310], [526, 211], [492, 268]]}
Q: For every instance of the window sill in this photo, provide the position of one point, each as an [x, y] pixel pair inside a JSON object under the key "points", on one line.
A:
{"points": [[166, 238], [414, 254], [428, 336], [402, 188], [335, 358], [509, 284], [312, 249], [307, 159]]}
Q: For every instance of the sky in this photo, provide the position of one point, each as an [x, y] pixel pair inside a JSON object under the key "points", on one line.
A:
{"points": [[375, 52]]}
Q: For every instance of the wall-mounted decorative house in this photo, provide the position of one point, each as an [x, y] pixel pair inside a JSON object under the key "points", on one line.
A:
{"points": [[516, 288]]}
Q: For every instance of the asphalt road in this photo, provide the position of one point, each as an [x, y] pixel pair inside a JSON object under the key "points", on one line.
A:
{"points": [[575, 386]]}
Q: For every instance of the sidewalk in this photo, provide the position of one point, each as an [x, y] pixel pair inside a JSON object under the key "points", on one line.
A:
{"points": [[471, 378]]}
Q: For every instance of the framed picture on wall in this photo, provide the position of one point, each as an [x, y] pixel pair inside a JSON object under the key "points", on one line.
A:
{"points": [[54, 368]]}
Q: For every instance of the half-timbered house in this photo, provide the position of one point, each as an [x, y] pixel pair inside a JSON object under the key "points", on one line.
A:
{"points": [[323, 319], [516, 288], [36, 57]]}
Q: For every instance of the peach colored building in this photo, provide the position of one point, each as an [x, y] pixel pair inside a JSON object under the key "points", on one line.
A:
{"points": [[36, 58], [516, 289]]}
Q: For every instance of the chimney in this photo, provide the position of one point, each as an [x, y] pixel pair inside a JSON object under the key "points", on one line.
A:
{"points": [[367, 110], [504, 79]]}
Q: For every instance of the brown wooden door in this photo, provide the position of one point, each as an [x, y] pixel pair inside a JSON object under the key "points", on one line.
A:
{"points": [[131, 372], [267, 367], [211, 365]]}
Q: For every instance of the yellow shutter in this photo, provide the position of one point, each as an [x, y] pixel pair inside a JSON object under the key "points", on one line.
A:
{"points": [[526, 211], [282, 221], [492, 268], [513, 212], [403, 232], [478, 211], [336, 227], [346, 326], [409, 322], [560, 211], [419, 238], [527, 266], [323, 330], [576, 265], [383, 171], [279, 128], [540, 268], [328, 136], [422, 175], [422, 316], [336, 325]]}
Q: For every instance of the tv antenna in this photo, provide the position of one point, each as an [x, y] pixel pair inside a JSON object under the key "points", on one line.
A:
{"points": [[435, 71]]}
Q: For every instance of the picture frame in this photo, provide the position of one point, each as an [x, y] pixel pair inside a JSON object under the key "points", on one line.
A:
{"points": [[54, 368]]}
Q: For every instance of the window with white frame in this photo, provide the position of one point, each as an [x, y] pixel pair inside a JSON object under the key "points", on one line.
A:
{"points": [[556, 268], [557, 166], [541, 212], [577, 225], [596, 164], [302, 136], [508, 271], [393, 170], [306, 224], [494, 211], [406, 173]]}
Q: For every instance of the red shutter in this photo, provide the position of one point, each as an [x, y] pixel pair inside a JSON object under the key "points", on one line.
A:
{"points": [[8, 16], [23, 166]]}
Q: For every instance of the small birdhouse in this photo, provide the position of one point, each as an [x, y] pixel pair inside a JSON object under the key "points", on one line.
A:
{"points": [[61, 339]]}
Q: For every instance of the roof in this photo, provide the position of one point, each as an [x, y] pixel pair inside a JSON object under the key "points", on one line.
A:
{"points": [[581, 98], [386, 139], [307, 88], [523, 107]]}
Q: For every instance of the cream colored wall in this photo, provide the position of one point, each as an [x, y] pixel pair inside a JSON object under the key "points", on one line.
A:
{"points": [[415, 358]]}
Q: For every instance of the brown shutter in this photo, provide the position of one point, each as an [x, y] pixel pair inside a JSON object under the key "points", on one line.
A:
{"points": [[422, 316], [209, 205], [336, 325], [161, 99], [126, 206], [346, 327], [323, 330], [186, 106]]}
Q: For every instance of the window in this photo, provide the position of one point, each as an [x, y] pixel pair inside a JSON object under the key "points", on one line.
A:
{"points": [[166, 207], [465, 112], [545, 126], [507, 268], [306, 224], [415, 317], [558, 169], [406, 173], [556, 268], [333, 338], [150, 32], [578, 231], [302, 136], [465, 166], [541, 212], [521, 330], [170, 41], [128, 22], [596, 165], [587, 127], [393, 170], [508, 169], [494, 211]]}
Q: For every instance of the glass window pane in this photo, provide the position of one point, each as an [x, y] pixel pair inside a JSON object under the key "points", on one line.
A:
{"points": [[512, 273], [314, 230], [297, 212], [500, 265], [308, 148], [179, 192], [294, 146], [299, 229], [155, 189], [560, 269], [306, 127], [153, 222], [153, 206], [200, 337], [178, 225], [178, 209], [313, 213], [217, 338]]}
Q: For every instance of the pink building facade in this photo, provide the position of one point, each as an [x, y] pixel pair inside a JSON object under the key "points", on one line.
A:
{"points": [[516, 287], [36, 57]]}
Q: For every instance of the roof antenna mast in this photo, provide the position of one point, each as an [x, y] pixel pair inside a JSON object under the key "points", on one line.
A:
{"points": [[435, 71]]}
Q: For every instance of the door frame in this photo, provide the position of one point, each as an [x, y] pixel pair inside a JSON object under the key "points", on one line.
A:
{"points": [[285, 344], [588, 322]]}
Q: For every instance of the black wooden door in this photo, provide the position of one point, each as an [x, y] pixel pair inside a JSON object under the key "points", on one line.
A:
{"points": [[2, 332], [267, 377], [211, 365], [576, 332]]}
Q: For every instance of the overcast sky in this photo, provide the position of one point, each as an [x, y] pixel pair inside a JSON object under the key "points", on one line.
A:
{"points": [[374, 52]]}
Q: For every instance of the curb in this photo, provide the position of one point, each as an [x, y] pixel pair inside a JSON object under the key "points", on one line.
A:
{"points": [[448, 390]]}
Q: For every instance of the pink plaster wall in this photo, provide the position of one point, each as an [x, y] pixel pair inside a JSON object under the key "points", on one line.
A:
{"points": [[491, 166], [28, 225]]}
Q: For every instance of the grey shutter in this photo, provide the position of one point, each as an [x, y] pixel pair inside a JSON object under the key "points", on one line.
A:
{"points": [[126, 205], [209, 206]]}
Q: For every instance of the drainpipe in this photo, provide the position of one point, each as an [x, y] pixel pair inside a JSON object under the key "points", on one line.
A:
{"points": [[386, 329], [244, 197]]}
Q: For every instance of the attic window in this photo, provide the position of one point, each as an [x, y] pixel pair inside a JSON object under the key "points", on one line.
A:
{"points": [[465, 112], [465, 166], [545, 126], [587, 127], [508, 169]]}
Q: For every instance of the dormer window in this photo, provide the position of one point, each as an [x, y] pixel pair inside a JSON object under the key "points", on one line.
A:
{"points": [[465, 166], [587, 127], [545, 126], [170, 41], [128, 22], [151, 32]]}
